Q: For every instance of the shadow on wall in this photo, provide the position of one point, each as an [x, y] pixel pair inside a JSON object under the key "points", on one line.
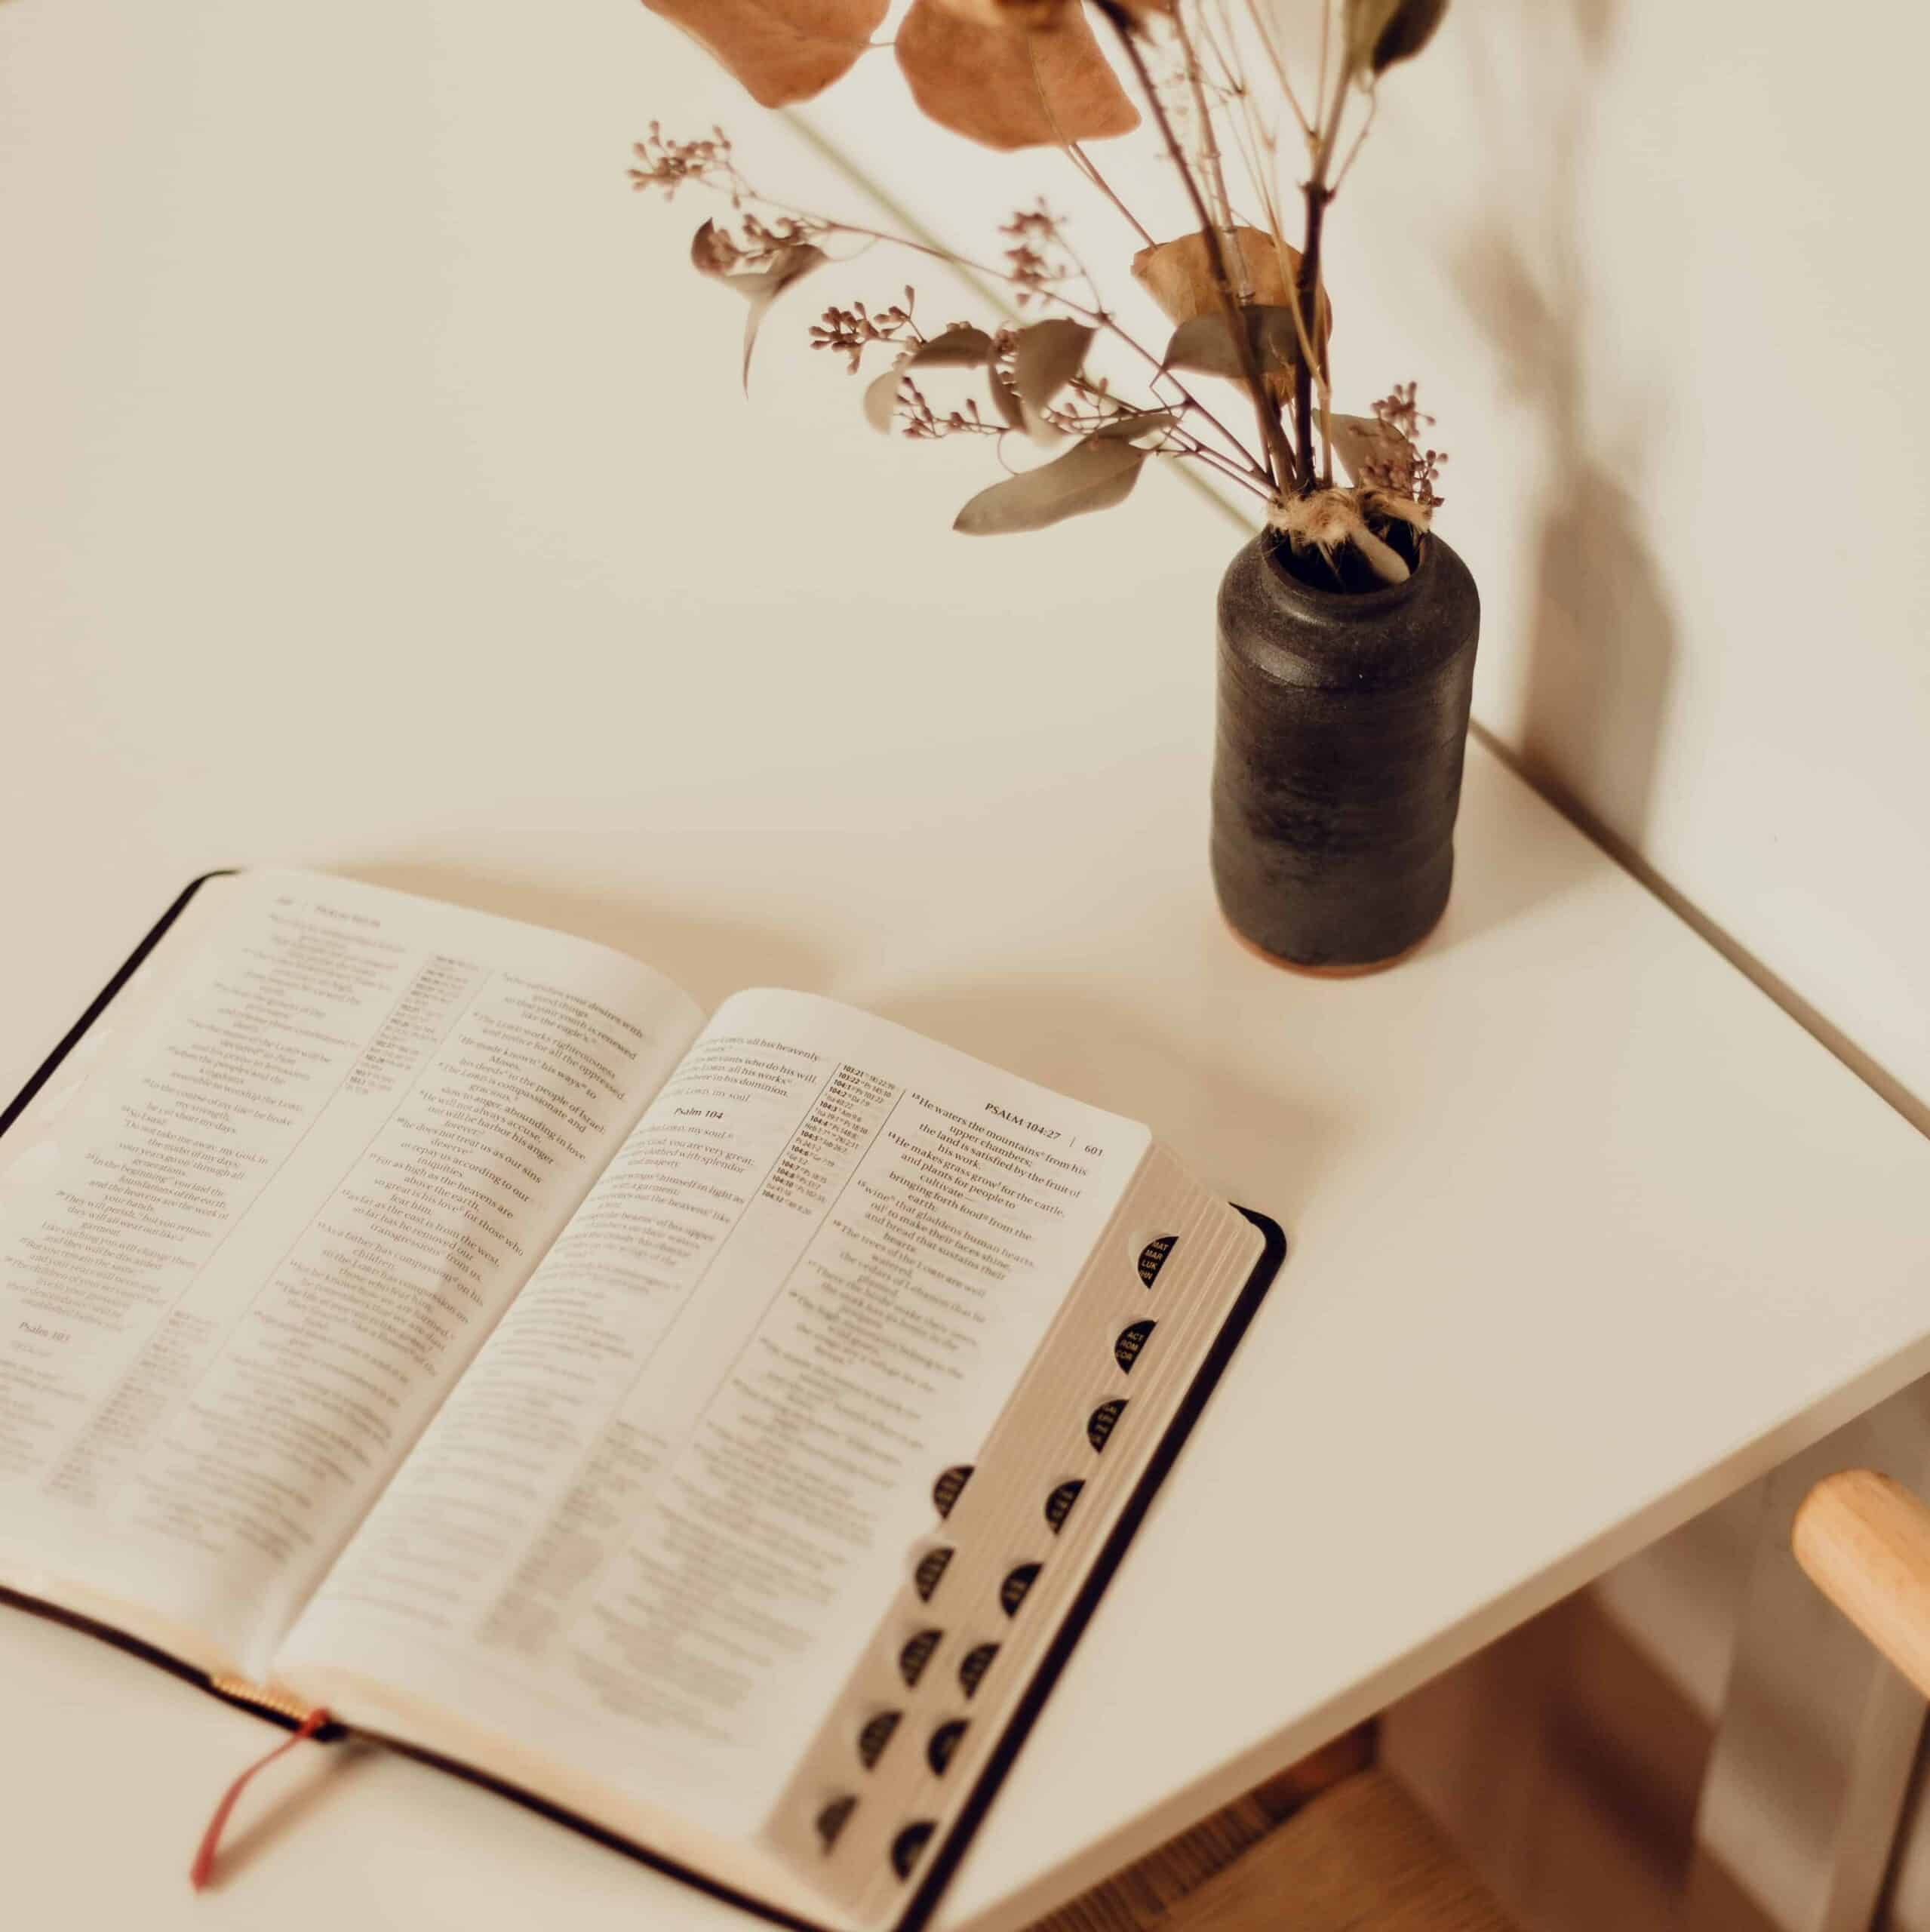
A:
{"points": [[1601, 638]]}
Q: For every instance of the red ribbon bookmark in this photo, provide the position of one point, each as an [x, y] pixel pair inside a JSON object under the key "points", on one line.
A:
{"points": [[203, 1868]]}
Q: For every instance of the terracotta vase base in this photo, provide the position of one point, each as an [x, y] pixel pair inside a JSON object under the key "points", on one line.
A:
{"points": [[1358, 971]]}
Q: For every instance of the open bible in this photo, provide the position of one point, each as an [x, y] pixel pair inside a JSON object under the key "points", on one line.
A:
{"points": [[715, 1430]]}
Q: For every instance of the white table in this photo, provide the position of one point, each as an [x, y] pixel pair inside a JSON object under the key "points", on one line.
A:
{"points": [[423, 537]]}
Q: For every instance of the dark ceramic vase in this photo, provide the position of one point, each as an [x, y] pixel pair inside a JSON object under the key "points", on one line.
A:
{"points": [[1343, 719]]}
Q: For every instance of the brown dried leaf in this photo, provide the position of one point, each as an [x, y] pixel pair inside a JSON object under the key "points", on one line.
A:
{"points": [[1380, 32], [1093, 475], [1008, 14], [1359, 441], [881, 399], [1178, 276], [992, 83], [963, 346], [1206, 344], [1045, 357], [782, 51], [711, 253], [788, 267]]}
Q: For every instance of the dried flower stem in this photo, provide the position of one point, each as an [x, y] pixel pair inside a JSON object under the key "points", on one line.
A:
{"points": [[1307, 295], [1320, 81], [1373, 107], [1250, 132], [713, 166], [1099, 319], [1209, 157], [1257, 12], [1207, 454], [1316, 193], [1280, 455], [1082, 162], [1077, 155], [1210, 164]]}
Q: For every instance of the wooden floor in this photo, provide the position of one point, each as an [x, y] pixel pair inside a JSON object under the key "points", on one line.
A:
{"points": [[1335, 1844]]}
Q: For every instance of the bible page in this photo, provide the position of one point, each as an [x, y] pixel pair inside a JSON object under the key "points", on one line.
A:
{"points": [[254, 1227], [642, 1545]]}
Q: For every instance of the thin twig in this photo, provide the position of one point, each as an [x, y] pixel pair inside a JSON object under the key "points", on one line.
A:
{"points": [[1320, 84], [1279, 455], [1177, 441], [1209, 153], [1075, 153], [1083, 162], [1203, 453], [1099, 319], [1256, 10], [1373, 108], [1313, 357], [1250, 132], [1241, 462]]}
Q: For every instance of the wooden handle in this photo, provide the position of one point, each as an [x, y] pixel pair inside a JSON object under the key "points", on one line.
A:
{"points": [[1864, 1542]]}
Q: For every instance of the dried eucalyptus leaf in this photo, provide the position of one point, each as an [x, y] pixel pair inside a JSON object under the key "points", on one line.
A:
{"points": [[763, 288], [963, 346], [1093, 475], [1359, 441], [1276, 341], [782, 51], [1413, 25], [1019, 14], [1008, 86], [1380, 32], [1178, 274], [1205, 344], [881, 399], [1045, 357], [1366, 20]]}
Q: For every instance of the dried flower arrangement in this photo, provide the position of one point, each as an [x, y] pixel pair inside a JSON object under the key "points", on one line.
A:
{"points": [[1246, 305]]}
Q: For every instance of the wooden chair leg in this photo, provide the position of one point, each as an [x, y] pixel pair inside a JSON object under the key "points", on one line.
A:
{"points": [[1812, 1758]]}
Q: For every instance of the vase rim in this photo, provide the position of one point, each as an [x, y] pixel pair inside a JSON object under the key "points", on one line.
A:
{"points": [[1366, 603]]}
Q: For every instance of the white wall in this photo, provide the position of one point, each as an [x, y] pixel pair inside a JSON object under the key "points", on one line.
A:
{"points": [[334, 337], [1659, 269]]}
